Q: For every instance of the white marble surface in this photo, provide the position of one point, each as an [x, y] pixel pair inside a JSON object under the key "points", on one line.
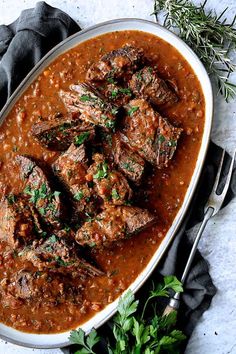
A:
{"points": [[218, 245]]}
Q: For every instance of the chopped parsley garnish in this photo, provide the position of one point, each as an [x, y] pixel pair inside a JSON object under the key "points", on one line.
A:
{"points": [[139, 76], [42, 211], [80, 139], [78, 196], [64, 126], [127, 166], [114, 93], [161, 138], [92, 244], [11, 199], [115, 195], [56, 194], [172, 143], [132, 110], [110, 124], [114, 111], [125, 91], [49, 249], [67, 228], [85, 98], [53, 239], [102, 171], [62, 263], [36, 194], [111, 80]]}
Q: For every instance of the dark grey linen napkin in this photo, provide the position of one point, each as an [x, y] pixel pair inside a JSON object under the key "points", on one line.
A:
{"points": [[22, 45], [24, 42]]}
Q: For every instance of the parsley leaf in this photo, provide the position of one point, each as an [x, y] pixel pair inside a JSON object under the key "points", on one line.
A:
{"points": [[115, 195], [79, 195], [80, 139], [78, 337], [102, 171], [85, 98], [134, 334], [132, 110], [125, 91]]}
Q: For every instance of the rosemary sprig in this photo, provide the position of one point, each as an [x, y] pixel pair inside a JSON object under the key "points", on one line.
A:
{"points": [[211, 38]]}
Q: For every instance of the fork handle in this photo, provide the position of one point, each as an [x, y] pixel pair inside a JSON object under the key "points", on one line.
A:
{"points": [[174, 302], [207, 216]]}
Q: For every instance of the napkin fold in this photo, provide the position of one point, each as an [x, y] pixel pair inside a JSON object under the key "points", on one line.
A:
{"points": [[22, 44]]}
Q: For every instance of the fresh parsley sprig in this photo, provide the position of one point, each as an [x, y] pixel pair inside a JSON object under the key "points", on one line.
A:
{"points": [[134, 333], [209, 35]]}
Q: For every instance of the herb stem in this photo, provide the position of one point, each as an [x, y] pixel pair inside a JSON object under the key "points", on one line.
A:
{"points": [[211, 38]]}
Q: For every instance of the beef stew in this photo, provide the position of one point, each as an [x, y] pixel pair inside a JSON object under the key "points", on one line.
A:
{"points": [[87, 228]]}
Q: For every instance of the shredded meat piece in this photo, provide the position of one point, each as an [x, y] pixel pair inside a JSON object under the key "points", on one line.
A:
{"points": [[110, 184], [19, 221], [150, 135], [92, 105], [71, 168], [148, 85], [58, 134], [114, 224], [38, 187], [116, 64]]}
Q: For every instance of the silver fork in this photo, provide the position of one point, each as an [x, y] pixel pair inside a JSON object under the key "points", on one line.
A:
{"points": [[211, 208]]}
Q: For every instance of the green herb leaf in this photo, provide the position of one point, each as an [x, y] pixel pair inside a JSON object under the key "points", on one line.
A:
{"points": [[134, 334], [111, 80], [209, 35], [125, 91], [85, 98], [80, 139], [77, 337], [92, 339], [11, 199], [173, 283], [132, 110], [79, 195], [115, 195], [102, 171], [52, 239]]}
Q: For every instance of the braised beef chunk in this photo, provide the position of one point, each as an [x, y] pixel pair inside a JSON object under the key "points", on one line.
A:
{"points": [[110, 184], [58, 134], [118, 95], [58, 254], [39, 191], [24, 287], [113, 224], [150, 135], [116, 64], [71, 168], [167, 138], [19, 223], [147, 84], [129, 162], [94, 107], [28, 285]]}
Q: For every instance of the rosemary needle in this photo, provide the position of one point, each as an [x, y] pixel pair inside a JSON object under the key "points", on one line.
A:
{"points": [[212, 39]]}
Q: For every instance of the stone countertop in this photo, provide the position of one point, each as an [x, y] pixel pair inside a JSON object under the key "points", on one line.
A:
{"points": [[215, 332]]}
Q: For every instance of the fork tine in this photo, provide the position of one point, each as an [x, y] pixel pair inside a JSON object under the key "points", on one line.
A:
{"points": [[229, 175], [219, 172]]}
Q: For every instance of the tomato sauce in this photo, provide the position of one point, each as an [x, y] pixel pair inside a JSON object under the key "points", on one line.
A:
{"points": [[164, 190]]}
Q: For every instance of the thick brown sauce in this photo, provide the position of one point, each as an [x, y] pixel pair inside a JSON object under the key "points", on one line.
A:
{"points": [[165, 189]]}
